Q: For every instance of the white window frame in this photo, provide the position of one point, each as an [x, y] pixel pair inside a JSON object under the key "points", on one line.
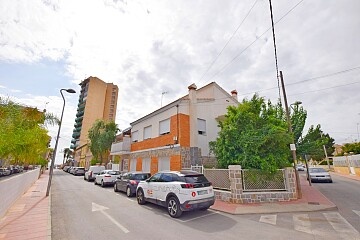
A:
{"points": [[147, 132], [201, 126], [164, 127], [164, 163], [146, 164], [135, 136]]}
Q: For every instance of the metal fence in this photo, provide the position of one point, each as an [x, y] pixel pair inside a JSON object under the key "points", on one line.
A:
{"points": [[255, 180], [252, 180], [218, 177]]}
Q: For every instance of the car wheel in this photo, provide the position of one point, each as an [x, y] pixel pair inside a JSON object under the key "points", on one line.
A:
{"points": [[115, 188], [128, 192], [173, 207], [102, 183], [140, 197], [330, 181], [95, 182]]}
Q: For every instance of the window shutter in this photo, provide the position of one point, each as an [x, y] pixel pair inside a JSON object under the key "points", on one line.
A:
{"points": [[164, 126]]}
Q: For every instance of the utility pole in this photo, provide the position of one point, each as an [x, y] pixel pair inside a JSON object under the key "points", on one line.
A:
{"points": [[292, 146]]}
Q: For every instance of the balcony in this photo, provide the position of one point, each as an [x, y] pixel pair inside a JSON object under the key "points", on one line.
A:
{"points": [[80, 114], [120, 148], [79, 119], [76, 135]]}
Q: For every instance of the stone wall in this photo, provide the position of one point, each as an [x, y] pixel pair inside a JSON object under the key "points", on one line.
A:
{"points": [[237, 195]]}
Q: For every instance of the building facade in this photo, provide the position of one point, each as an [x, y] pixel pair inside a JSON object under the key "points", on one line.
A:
{"points": [[177, 135], [97, 100]]}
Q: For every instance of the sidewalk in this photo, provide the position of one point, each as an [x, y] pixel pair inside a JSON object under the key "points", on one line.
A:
{"points": [[312, 200], [29, 217]]}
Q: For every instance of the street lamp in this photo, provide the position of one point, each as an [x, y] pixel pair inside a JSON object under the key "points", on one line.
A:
{"points": [[57, 139]]}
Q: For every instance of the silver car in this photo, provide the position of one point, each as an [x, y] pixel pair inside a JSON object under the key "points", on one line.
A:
{"points": [[318, 174]]}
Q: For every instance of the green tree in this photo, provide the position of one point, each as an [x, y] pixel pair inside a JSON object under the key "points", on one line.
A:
{"points": [[101, 136], [23, 137], [312, 144], [255, 135], [351, 147], [298, 118]]}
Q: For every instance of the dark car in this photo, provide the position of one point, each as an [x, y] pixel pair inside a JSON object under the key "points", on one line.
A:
{"points": [[128, 182]]}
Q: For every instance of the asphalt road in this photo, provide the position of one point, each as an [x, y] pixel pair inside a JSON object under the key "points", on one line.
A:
{"points": [[345, 193], [81, 210]]}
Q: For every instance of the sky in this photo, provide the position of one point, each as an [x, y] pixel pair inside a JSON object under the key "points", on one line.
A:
{"points": [[151, 47]]}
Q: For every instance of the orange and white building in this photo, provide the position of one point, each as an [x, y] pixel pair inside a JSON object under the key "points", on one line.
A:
{"points": [[177, 135]]}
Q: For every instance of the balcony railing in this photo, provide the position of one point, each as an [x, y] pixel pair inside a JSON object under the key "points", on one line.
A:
{"points": [[121, 147]]}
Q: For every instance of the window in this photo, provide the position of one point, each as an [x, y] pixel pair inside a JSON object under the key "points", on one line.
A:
{"points": [[201, 126], [146, 165], [135, 136], [147, 132], [133, 164], [164, 127], [155, 178], [164, 164]]}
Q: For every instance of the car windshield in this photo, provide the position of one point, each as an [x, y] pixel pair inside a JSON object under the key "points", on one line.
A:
{"points": [[113, 172], [317, 170], [140, 176]]}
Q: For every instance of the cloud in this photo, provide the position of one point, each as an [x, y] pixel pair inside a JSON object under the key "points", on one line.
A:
{"points": [[147, 47]]}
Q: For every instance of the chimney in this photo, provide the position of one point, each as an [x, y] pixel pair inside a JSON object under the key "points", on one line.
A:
{"points": [[193, 115], [234, 94]]}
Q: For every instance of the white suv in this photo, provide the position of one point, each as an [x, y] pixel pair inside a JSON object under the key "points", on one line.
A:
{"points": [[177, 190]]}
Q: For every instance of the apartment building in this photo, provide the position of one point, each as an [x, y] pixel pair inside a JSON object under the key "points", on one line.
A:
{"points": [[97, 100], [177, 135]]}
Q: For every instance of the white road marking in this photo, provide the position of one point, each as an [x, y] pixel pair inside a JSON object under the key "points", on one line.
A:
{"points": [[97, 207], [357, 212], [124, 229], [269, 219], [100, 208], [302, 223], [130, 200], [340, 225]]}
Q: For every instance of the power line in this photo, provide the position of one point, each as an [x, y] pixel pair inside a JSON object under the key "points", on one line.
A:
{"points": [[306, 80], [257, 38], [326, 88], [216, 58]]}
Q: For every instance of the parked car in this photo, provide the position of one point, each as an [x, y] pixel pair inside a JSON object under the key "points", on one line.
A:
{"points": [[128, 182], [79, 171], [178, 191], [92, 172], [71, 170], [66, 168], [4, 172], [106, 177], [319, 174], [300, 167]]}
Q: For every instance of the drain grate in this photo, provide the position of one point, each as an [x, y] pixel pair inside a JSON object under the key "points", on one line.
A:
{"points": [[313, 203], [35, 191]]}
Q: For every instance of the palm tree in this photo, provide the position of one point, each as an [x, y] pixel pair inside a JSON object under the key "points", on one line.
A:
{"points": [[67, 154]]}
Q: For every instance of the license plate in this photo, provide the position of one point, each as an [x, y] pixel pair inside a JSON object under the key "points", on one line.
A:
{"points": [[202, 192]]}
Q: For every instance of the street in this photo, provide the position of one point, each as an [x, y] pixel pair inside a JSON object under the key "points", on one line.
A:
{"points": [[345, 193], [81, 210]]}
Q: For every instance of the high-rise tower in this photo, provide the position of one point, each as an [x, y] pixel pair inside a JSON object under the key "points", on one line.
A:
{"points": [[97, 100]]}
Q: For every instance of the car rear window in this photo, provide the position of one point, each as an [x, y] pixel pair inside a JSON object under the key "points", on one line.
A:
{"points": [[140, 176], [196, 179], [317, 170]]}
